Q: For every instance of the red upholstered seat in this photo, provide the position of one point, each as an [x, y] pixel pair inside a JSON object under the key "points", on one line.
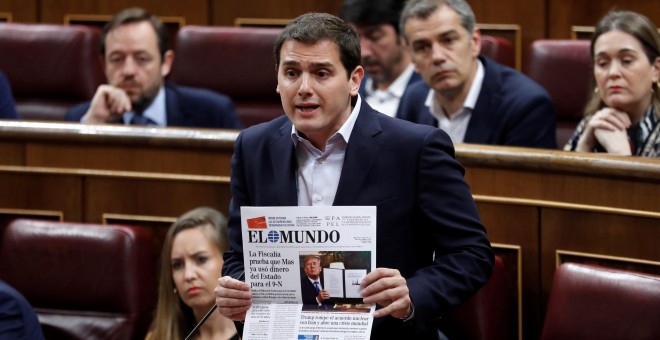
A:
{"points": [[564, 69], [50, 67], [236, 61], [588, 302], [85, 281], [486, 315], [498, 49]]}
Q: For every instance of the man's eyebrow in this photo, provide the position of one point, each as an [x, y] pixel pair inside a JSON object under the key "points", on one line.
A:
{"points": [[322, 65], [290, 63]]}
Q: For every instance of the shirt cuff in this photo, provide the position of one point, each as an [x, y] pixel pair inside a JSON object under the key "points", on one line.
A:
{"points": [[412, 313]]}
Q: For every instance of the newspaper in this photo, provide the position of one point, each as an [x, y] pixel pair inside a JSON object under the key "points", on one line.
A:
{"points": [[276, 243]]}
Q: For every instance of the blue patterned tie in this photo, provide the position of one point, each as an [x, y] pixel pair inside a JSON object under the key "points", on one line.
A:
{"points": [[139, 119], [316, 286]]}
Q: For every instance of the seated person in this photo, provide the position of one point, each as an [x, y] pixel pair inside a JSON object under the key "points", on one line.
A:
{"points": [[7, 106], [17, 318], [623, 114], [472, 98], [310, 284], [389, 70], [191, 262], [137, 60]]}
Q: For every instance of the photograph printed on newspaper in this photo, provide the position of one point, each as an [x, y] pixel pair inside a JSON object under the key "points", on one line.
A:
{"points": [[305, 266]]}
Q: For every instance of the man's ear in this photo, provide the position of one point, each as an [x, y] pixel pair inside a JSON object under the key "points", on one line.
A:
{"points": [[166, 66], [356, 80], [475, 39]]}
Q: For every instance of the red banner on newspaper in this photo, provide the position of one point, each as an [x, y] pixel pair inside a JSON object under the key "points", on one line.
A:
{"points": [[257, 223]]}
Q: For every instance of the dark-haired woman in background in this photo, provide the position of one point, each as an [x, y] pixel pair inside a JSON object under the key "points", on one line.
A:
{"points": [[623, 114]]}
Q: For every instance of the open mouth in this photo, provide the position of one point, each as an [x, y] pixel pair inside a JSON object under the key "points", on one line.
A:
{"points": [[306, 108]]}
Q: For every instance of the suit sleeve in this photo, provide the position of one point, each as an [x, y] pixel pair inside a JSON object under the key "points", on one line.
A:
{"points": [[233, 258], [229, 117], [463, 259], [7, 106], [533, 122]]}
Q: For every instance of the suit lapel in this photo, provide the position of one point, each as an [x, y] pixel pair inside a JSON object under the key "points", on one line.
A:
{"points": [[174, 112], [480, 127], [284, 165], [363, 148]]}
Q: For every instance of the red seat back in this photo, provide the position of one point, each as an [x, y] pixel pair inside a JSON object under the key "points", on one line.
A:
{"points": [[498, 49], [50, 67], [564, 69], [236, 61], [589, 302], [85, 281]]}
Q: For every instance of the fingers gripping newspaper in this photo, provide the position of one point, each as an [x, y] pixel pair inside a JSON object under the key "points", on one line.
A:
{"points": [[304, 266]]}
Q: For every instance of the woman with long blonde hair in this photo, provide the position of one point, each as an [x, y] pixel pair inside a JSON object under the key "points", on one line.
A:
{"points": [[191, 262]]}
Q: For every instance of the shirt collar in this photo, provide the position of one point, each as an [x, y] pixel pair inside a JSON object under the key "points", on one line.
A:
{"points": [[156, 111], [397, 87], [345, 130]]}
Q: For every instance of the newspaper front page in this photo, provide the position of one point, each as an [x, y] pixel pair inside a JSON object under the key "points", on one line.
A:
{"points": [[277, 242]]}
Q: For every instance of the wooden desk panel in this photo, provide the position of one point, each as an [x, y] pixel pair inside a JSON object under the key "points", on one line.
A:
{"points": [[173, 160], [516, 226], [535, 203], [166, 197], [12, 153], [117, 147], [35, 189]]}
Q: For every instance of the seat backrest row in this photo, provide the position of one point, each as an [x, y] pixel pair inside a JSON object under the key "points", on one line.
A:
{"points": [[85, 281], [51, 67]]}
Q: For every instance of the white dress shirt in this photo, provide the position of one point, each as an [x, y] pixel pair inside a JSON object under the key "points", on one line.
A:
{"points": [[456, 124], [387, 101], [318, 172]]}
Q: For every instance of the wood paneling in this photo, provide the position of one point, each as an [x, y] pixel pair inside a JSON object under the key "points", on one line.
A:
{"points": [[562, 14], [223, 12], [37, 190], [538, 201], [195, 12], [20, 10], [125, 148], [153, 196], [517, 225]]}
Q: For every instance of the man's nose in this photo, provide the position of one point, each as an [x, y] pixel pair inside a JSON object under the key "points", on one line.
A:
{"points": [[438, 53], [129, 66]]}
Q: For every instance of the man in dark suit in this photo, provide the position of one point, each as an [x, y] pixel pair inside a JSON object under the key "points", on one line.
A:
{"points": [[389, 70], [7, 106], [432, 250], [311, 287], [474, 99], [17, 318], [137, 60]]}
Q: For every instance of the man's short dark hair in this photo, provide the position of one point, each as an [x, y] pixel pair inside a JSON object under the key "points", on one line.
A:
{"points": [[311, 28], [372, 12], [133, 15]]}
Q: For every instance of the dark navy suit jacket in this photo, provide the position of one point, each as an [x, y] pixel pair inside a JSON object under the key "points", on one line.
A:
{"points": [[187, 107], [511, 110], [17, 318], [413, 79], [7, 106], [424, 207]]}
